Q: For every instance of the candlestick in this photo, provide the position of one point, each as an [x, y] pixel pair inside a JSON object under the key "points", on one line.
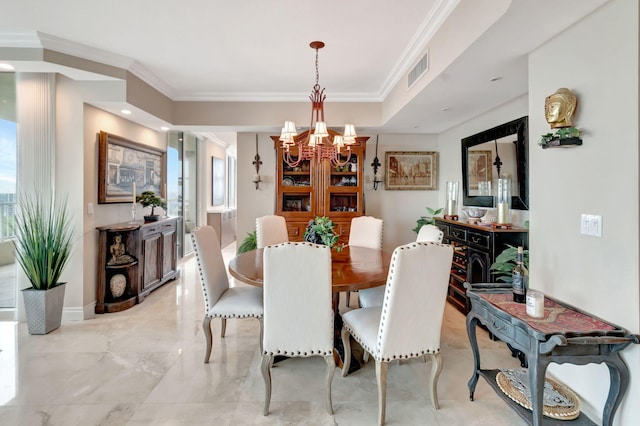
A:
{"points": [[133, 213]]}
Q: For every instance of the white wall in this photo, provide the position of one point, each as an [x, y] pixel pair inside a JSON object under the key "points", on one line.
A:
{"points": [[252, 202], [598, 60], [400, 209]]}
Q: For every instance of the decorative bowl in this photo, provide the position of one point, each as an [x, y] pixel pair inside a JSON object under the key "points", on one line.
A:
{"points": [[474, 212]]}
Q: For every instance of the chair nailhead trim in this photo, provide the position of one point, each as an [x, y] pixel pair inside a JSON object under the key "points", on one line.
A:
{"points": [[298, 353], [236, 316], [386, 305]]}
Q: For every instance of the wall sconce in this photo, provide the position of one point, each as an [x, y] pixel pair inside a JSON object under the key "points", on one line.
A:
{"points": [[376, 164], [256, 163]]}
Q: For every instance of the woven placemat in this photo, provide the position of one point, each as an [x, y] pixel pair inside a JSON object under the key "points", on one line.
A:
{"points": [[560, 402]]}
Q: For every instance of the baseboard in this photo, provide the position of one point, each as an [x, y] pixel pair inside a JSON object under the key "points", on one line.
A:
{"points": [[73, 314], [8, 314]]}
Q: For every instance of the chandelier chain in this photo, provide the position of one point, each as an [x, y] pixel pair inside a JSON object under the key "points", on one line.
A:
{"points": [[318, 143]]}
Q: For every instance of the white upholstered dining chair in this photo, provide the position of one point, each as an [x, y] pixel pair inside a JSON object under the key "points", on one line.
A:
{"points": [[430, 233], [373, 296], [271, 229], [365, 231], [221, 300], [298, 313], [408, 325]]}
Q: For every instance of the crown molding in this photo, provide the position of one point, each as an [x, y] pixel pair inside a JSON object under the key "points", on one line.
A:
{"points": [[418, 44]]}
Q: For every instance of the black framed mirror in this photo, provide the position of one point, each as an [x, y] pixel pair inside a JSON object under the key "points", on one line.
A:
{"points": [[501, 151]]}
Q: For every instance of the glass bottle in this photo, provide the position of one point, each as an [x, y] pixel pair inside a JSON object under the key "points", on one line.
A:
{"points": [[520, 279]]}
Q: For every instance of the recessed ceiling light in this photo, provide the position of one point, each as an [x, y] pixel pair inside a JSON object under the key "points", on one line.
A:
{"points": [[125, 111], [445, 109], [6, 67], [495, 78], [164, 128]]}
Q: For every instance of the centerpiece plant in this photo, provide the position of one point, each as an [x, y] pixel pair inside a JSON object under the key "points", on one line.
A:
{"points": [[249, 243], [320, 231]]}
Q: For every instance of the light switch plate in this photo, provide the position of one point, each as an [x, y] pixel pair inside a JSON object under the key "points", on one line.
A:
{"points": [[591, 224]]}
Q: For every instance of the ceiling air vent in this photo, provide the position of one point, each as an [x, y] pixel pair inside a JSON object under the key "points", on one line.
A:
{"points": [[421, 67]]}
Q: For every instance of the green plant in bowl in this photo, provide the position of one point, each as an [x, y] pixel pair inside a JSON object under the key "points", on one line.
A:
{"points": [[320, 231], [150, 199], [249, 243]]}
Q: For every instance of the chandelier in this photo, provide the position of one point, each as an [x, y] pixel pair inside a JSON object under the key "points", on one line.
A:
{"points": [[317, 142]]}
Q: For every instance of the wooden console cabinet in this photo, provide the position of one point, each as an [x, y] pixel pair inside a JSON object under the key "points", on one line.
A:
{"points": [[475, 249], [145, 260], [320, 189]]}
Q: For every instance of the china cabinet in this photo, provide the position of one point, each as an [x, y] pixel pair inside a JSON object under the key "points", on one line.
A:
{"points": [[313, 188]]}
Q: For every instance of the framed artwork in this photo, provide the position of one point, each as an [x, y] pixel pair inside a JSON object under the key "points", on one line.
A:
{"points": [[127, 168], [480, 168], [411, 170], [217, 181]]}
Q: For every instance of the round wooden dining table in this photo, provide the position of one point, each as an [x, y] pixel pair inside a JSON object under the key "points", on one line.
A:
{"points": [[353, 268]]}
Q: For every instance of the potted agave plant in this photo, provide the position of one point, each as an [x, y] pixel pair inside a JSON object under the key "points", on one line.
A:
{"points": [[44, 235]]}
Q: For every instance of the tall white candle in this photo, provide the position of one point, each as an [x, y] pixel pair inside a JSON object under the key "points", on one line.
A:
{"points": [[451, 207], [503, 213], [134, 192]]}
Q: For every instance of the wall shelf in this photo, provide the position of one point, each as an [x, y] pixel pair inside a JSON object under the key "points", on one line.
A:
{"points": [[561, 143]]}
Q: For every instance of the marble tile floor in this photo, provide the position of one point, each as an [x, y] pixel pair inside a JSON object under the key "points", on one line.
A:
{"points": [[144, 366]]}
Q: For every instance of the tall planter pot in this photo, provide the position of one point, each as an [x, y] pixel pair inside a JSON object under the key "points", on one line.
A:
{"points": [[43, 308]]}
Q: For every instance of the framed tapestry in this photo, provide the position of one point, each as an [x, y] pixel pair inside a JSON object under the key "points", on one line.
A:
{"points": [[411, 170], [127, 168]]}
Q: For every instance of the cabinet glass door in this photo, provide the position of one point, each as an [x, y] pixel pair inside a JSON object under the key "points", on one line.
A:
{"points": [[344, 186], [297, 193]]}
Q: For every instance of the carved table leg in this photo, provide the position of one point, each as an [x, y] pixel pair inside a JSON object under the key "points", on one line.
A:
{"points": [[472, 323], [619, 374], [537, 369]]}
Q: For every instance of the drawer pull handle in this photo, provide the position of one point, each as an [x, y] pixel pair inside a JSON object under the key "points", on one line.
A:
{"points": [[475, 240]]}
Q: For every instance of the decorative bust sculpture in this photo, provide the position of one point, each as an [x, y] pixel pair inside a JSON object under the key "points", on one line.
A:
{"points": [[560, 107]]}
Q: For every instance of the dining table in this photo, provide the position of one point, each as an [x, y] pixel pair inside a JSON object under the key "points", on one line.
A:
{"points": [[353, 268]]}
